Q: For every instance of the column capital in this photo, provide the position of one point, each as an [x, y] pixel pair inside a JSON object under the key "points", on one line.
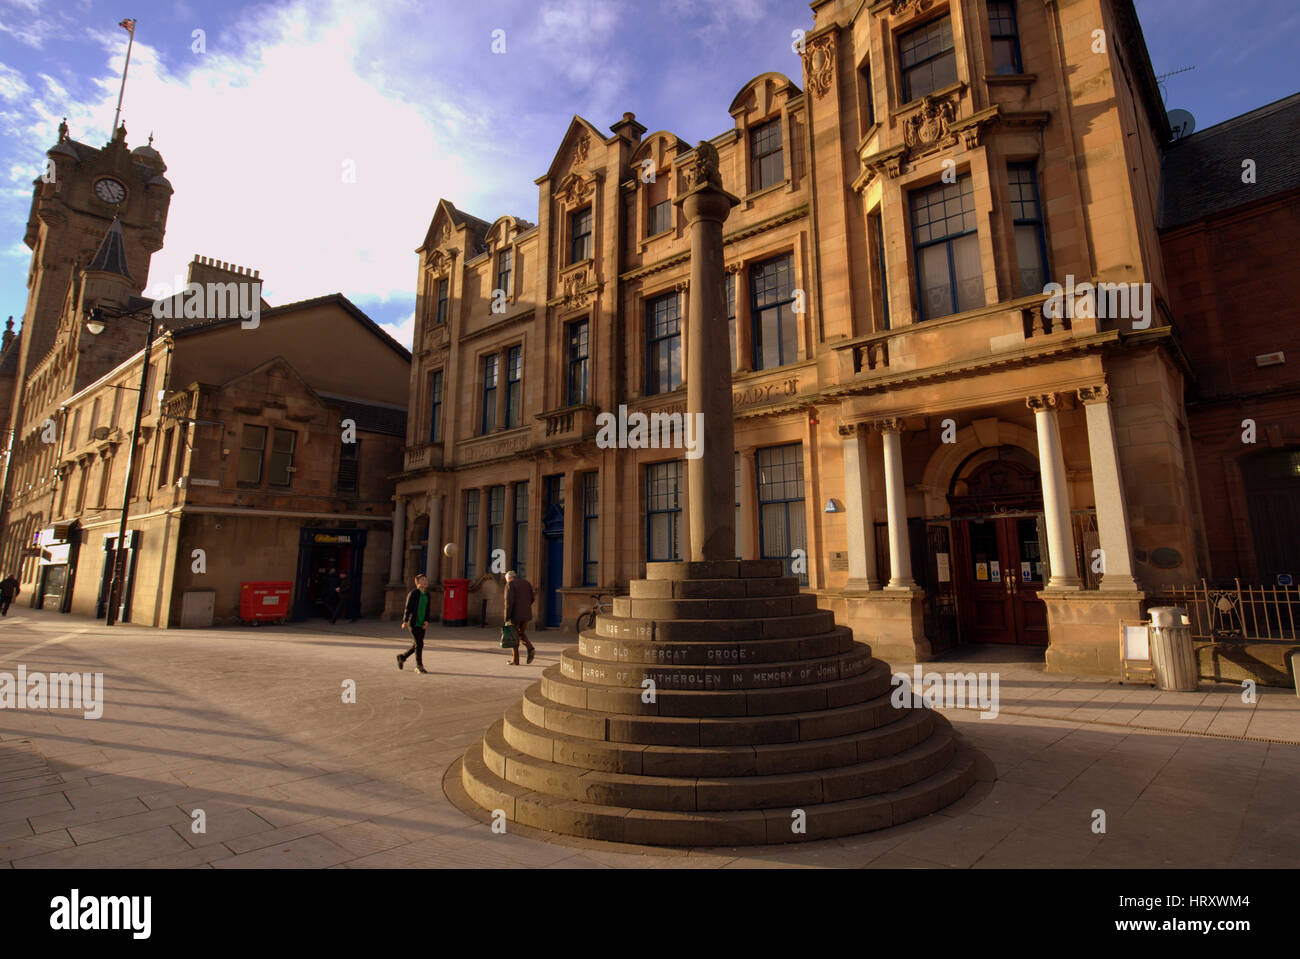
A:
{"points": [[1041, 402], [893, 424], [1094, 394], [850, 429], [735, 267]]}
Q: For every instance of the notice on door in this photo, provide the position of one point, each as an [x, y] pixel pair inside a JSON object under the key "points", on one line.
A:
{"points": [[941, 567], [982, 572], [995, 572]]}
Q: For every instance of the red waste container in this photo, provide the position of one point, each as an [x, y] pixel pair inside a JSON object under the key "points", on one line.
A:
{"points": [[264, 602], [455, 602]]}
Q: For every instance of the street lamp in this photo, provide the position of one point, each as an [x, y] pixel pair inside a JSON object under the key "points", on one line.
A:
{"points": [[95, 325]]}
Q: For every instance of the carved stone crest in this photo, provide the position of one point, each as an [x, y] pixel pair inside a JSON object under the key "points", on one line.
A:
{"points": [[573, 189], [899, 7], [819, 64], [929, 125], [580, 149]]}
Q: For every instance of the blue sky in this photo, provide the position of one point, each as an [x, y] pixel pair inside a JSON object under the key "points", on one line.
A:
{"points": [[257, 126]]}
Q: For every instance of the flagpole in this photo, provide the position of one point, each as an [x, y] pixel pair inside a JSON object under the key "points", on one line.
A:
{"points": [[126, 66]]}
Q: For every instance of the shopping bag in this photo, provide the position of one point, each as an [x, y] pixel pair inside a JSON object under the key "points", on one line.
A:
{"points": [[509, 636]]}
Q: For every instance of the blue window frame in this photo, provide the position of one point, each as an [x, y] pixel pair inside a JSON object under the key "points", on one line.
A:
{"points": [[663, 511], [948, 273], [663, 328], [876, 230], [578, 350], [928, 59], [519, 550], [1005, 36], [781, 516], [590, 528], [580, 235], [496, 521], [771, 285], [489, 422], [435, 406], [514, 384], [1027, 222], [441, 315], [505, 266], [766, 156], [471, 533]]}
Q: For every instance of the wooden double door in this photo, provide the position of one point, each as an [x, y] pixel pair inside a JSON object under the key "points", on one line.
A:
{"points": [[1000, 571]]}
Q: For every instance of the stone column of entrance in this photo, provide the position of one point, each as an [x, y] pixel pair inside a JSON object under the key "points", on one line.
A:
{"points": [[1056, 497], [433, 555], [710, 481], [900, 550], [399, 541], [745, 545], [857, 506], [1108, 490]]}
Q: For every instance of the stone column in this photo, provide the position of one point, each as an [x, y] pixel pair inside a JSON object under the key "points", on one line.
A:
{"points": [[900, 550], [1056, 496], [1108, 490], [858, 510], [744, 324], [399, 541], [433, 559], [710, 480], [746, 544]]}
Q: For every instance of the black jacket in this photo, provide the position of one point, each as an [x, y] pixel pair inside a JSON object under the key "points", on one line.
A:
{"points": [[413, 607]]}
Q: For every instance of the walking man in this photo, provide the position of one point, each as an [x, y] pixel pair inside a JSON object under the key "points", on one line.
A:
{"points": [[519, 610], [416, 618], [8, 590]]}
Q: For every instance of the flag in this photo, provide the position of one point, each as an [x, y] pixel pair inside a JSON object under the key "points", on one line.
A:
{"points": [[128, 25]]}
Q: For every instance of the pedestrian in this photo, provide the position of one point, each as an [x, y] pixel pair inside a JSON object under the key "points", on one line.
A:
{"points": [[519, 611], [416, 617], [8, 590], [332, 593], [344, 587]]}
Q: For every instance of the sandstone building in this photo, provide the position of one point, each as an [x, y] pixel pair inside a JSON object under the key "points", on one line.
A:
{"points": [[940, 449], [243, 468]]}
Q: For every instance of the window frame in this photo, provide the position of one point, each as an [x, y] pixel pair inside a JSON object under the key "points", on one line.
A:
{"points": [[291, 452], [756, 273], [947, 240], [496, 520], [435, 406], [666, 206], [244, 448], [1038, 222], [578, 357], [1013, 37], [782, 500], [355, 457], [514, 385], [470, 566], [444, 298], [590, 528], [488, 417], [652, 340], [665, 469], [756, 158], [587, 236], [519, 523], [505, 268], [905, 70]]}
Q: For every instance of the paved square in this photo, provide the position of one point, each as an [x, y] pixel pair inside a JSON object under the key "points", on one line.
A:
{"points": [[247, 731]]}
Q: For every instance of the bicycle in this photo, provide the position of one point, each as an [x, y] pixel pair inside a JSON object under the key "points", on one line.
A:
{"points": [[601, 604]]}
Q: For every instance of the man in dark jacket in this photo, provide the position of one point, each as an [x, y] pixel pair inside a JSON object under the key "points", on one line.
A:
{"points": [[416, 617], [519, 610], [8, 590]]}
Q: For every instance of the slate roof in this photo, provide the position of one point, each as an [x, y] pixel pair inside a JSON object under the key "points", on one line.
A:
{"points": [[369, 417], [111, 255], [1201, 174]]}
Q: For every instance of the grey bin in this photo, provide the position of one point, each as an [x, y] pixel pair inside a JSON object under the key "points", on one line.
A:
{"points": [[1172, 655], [1293, 658]]}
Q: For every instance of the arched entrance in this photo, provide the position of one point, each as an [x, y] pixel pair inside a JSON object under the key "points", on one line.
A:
{"points": [[996, 503]]}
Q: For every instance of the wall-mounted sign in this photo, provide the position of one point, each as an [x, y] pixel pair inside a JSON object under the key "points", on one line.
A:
{"points": [[331, 538]]}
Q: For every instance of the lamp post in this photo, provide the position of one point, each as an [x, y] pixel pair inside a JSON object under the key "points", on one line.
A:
{"points": [[95, 325]]}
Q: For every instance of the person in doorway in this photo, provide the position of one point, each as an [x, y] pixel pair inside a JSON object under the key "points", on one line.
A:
{"points": [[343, 589], [8, 590], [519, 611], [415, 618], [331, 592]]}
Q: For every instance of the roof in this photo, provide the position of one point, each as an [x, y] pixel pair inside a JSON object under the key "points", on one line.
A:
{"points": [[200, 326], [369, 417], [111, 255], [1201, 174]]}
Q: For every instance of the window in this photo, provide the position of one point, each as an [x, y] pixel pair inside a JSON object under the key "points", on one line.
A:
{"points": [[514, 384], [349, 461], [282, 445], [520, 550], [94, 420], [947, 249], [1005, 36], [731, 320], [73, 435], [435, 406], [580, 235], [766, 165], [471, 533], [661, 218], [771, 286], [496, 523], [780, 504], [1027, 220], [928, 59], [489, 422], [663, 330], [578, 352], [441, 315], [663, 511], [867, 109], [251, 449], [880, 277], [505, 264], [164, 461], [590, 521]]}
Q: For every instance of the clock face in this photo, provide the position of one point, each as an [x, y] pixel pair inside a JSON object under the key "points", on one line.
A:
{"points": [[110, 191]]}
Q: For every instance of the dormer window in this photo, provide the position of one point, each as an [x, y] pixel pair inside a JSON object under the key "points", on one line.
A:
{"points": [[505, 266], [766, 157], [580, 235]]}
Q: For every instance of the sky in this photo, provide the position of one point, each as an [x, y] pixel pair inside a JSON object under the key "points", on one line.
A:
{"points": [[262, 110]]}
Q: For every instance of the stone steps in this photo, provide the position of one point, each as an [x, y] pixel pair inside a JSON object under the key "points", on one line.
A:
{"points": [[635, 759], [713, 588], [577, 666], [837, 640], [701, 630], [711, 827]]}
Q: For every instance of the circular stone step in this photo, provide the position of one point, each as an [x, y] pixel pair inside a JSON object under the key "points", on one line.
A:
{"points": [[594, 646], [853, 662]]}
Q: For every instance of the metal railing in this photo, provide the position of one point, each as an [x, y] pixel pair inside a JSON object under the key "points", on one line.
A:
{"points": [[1235, 612]]}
